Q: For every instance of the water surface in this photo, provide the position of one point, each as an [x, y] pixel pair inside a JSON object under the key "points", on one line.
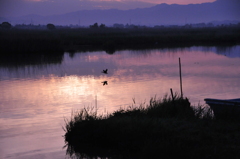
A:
{"points": [[35, 98]]}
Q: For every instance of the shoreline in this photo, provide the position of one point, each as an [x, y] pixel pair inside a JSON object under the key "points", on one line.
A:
{"points": [[22, 41]]}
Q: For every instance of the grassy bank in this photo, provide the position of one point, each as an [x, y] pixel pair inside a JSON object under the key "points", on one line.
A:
{"points": [[160, 129], [21, 41]]}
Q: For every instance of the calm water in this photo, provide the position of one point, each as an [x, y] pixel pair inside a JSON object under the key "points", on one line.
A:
{"points": [[35, 99]]}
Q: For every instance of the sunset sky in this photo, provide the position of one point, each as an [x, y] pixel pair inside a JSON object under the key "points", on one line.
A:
{"points": [[48, 7]]}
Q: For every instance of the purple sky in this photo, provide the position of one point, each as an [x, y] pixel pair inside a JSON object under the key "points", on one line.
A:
{"points": [[48, 7]]}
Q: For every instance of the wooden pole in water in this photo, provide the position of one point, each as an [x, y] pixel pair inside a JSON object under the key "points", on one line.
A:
{"points": [[180, 73], [172, 94]]}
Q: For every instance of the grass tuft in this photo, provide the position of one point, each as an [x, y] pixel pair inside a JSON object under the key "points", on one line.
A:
{"points": [[162, 128]]}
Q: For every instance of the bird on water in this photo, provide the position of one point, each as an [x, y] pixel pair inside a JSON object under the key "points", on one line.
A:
{"points": [[105, 83], [105, 71]]}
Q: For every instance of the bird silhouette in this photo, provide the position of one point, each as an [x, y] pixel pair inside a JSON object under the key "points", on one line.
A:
{"points": [[105, 71], [105, 83]]}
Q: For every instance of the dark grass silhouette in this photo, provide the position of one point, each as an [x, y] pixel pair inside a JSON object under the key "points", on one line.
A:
{"points": [[159, 129], [22, 41]]}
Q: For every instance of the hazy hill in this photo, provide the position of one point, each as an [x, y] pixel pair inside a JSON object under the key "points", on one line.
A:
{"points": [[161, 14]]}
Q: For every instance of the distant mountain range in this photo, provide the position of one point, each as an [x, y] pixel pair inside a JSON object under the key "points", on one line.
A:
{"points": [[162, 14]]}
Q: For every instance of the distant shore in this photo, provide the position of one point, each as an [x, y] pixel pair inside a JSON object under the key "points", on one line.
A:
{"points": [[22, 41]]}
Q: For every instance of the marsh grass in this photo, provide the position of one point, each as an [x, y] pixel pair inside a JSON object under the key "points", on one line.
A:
{"points": [[159, 129]]}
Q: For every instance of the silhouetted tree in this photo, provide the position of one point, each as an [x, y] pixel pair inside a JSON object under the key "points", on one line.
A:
{"points": [[6, 25], [51, 26], [102, 26], [116, 25], [95, 25]]}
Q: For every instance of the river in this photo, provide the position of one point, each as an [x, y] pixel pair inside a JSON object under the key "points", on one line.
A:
{"points": [[35, 98]]}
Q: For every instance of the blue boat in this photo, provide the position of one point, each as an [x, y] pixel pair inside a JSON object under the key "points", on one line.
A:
{"points": [[228, 108]]}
